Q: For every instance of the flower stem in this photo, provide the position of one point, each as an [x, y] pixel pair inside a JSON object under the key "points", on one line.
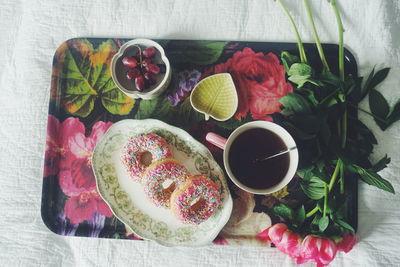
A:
{"points": [[341, 31], [325, 199], [317, 41], [344, 129], [341, 178], [328, 188], [302, 53], [334, 175], [312, 212], [369, 113]]}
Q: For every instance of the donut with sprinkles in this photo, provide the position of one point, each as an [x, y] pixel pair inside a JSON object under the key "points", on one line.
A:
{"points": [[137, 146], [196, 200], [161, 178]]}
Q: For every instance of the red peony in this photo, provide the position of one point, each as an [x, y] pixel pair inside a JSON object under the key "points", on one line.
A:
{"points": [[260, 82]]}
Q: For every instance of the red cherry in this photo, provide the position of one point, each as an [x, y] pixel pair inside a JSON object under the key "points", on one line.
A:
{"points": [[140, 83], [149, 52], [132, 74], [153, 68], [129, 62]]}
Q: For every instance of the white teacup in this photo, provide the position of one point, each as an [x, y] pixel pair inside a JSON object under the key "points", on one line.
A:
{"points": [[287, 139]]}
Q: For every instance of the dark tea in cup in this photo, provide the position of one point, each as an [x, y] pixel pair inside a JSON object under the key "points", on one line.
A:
{"points": [[246, 154]]}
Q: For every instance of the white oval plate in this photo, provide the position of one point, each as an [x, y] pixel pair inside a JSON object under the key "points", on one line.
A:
{"points": [[127, 200]]}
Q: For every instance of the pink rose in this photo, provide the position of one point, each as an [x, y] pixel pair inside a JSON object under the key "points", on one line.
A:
{"points": [[260, 82]]}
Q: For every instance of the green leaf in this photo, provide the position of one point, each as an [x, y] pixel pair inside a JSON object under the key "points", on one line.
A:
{"points": [[326, 132], [394, 115], [288, 60], [300, 73], [323, 223], [187, 116], [300, 69], [307, 122], [379, 107], [310, 95], [85, 76], [294, 103], [345, 225], [365, 90], [330, 78], [146, 108], [313, 190], [371, 178], [194, 52], [233, 123], [165, 111], [282, 211], [295, 131], [305, 174], [114, 100], [300, 215], [373, 80], [315, 222], [381, 164]]}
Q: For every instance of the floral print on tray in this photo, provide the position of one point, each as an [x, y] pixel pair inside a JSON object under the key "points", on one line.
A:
{"points": [[85, 102]]}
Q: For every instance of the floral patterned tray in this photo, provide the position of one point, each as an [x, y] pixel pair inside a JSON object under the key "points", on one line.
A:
{"points": [[84, 103]]}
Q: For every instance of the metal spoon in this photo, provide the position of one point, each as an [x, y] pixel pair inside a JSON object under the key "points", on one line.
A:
{"points": [[275, 155]]}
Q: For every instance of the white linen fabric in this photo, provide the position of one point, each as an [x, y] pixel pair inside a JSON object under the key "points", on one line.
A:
{"points": [[31, 30]]}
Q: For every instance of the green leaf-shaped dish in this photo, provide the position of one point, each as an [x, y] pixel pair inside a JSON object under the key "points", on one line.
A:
{"points": [[216, 97]]}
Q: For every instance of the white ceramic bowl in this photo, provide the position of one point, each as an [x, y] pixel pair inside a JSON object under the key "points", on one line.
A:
{"points": [[155, 91]]}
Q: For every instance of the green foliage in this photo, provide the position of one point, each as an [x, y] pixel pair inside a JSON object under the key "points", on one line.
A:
{"points": [[85, 77], [323, 223], [195, 52], [282, 211], [371, 177], [288, 60]]}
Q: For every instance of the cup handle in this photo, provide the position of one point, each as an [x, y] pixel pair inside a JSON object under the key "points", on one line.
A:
{"points": [[216, 140]]}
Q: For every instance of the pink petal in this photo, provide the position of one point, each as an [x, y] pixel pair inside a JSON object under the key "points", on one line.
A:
{"points": [[103, 208], [71, 127], [263, 236], [347, 243], [98, 131], [77, 212], [80, 146], [276, 232]]}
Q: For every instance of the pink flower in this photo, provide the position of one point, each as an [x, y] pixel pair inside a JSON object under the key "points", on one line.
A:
{"points": [[347, 243], [260, 82], [285, 240], [321, 250], [76, 174], [68, 153], [83, 207], [53, 147]]}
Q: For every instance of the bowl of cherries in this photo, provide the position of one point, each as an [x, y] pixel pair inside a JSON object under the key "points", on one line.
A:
{"points": [[141, 69]]}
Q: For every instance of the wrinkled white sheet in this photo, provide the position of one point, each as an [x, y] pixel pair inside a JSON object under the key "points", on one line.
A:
{"points": [[31, 30]]}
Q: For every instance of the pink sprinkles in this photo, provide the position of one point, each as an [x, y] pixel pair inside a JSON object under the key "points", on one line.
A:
{"points": [[198, 187], [156, 174], [136, 146]]}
